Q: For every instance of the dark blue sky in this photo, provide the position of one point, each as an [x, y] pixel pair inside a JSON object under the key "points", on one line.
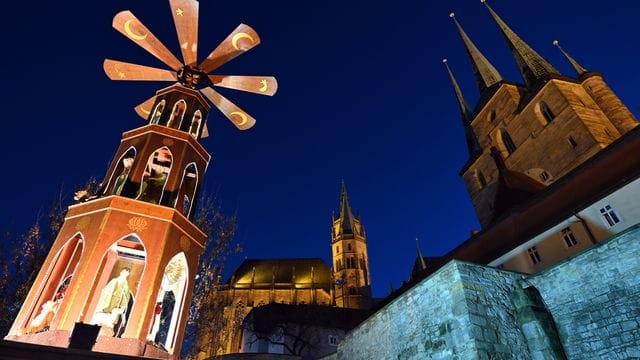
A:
{"points": [[363, 96]]}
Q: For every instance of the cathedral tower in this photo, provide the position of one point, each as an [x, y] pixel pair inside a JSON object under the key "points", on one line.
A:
{"points": [[543, 128], [350, 258]]}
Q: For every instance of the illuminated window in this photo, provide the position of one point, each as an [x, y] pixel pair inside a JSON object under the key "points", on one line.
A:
{"points": [[178, 113], [609, 215], [195, 124], [569, 237], [157, 113], [534, 255], [155, 176]]}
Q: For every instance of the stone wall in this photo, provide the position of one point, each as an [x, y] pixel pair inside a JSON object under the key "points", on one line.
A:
{"points": [[595, 299], [450, 315], [465, 311]]}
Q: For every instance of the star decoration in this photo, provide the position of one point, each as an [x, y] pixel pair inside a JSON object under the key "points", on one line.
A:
{"points": [[179, 12]]}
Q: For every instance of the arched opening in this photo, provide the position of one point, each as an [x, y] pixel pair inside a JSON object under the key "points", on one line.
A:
{"points": [[507, 142], [121, 172], [52, 292], [194, 130], [177, 114], [169, 304], [115, 286], [482, 181], [155, 176], [543, 111], [188, 187], [157, 112]]}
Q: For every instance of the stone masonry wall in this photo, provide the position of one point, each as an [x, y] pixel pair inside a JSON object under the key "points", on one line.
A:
{"points": [[450, 315], [595, 299]]}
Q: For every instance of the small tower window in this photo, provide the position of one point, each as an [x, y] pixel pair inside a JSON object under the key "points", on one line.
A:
{"points": [[492, 116], [609, 215], [195, 124], [348, 247], [534, 255], [157, 113], [482, 181], [569, 237], [546, 112], [178, 113], [507, 142], [573, 142]]}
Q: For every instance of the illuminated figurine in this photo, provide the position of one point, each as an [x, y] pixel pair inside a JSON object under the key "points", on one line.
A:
{"points": [[112, 305]]}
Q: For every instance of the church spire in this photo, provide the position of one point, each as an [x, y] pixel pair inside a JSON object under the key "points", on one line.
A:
{"points": [[472, 141], [423, 264], [533, 67], [576, 66], [346, 215], [486, 75]]}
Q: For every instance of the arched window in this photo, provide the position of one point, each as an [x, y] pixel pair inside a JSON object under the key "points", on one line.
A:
{"points": [[114, 289], [491, 116], [170, 303], [157, 112], [544, 110], [507, 142], [53, 290], [121, 172], [155, 176], [187, 191], [177, 114], [194, 130]]}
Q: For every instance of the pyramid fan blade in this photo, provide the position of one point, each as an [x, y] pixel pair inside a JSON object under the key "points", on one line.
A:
{"points": [[126, 23], [263, 85], [242, 39], [237, 116], [143, 110], [118, 70], [185, 17], [205, 132]]}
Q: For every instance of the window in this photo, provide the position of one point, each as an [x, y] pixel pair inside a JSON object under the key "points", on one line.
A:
{"points": [[609, 215], [339, 264], [333, 340], [351, 263], [195, 124], [157, 113], [546, 112], [482, 181], [352, 291], [348, 247], [492, 116], [569, 237], [573, 142], [534, 255], [337, 249], [507, 142], [177, 114], [544, 176]]}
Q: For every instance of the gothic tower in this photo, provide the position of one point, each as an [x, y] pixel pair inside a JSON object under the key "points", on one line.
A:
{"points": [[540, 129], [350, 258]]}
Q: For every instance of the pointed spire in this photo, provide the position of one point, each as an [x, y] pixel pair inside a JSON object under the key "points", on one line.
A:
{"points": [[472, 141], [486, 75], [576, 66], [533, 67], [423, 264], [346, 215]]}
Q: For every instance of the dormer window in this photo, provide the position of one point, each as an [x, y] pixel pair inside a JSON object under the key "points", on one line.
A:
{"points": [[178, 113]]}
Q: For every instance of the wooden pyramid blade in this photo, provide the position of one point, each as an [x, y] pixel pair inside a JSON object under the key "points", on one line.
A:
{"points": [[143, 110], [127, 24], [119, 70], [205, 132], [263, 85], [185, 17], [237, 116], [242, 39]]}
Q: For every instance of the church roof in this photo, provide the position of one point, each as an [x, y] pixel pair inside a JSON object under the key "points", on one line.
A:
{"points": [[282, 273], [346, 215]]}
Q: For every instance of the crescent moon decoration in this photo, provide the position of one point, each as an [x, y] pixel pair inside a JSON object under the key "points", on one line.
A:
{"points": [[145, 111], [264, 85], [131, 34], [243, 116], [238, 36]]}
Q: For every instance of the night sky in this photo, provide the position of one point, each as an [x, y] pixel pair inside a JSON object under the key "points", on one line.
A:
{"points": [[363, 96]]}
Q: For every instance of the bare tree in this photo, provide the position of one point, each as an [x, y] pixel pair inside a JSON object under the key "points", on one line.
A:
{"points": [[206, 314]]}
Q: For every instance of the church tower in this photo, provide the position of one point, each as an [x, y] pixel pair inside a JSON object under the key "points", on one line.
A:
{"points": [[524, 136], [350, 258], [122, 268]]}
